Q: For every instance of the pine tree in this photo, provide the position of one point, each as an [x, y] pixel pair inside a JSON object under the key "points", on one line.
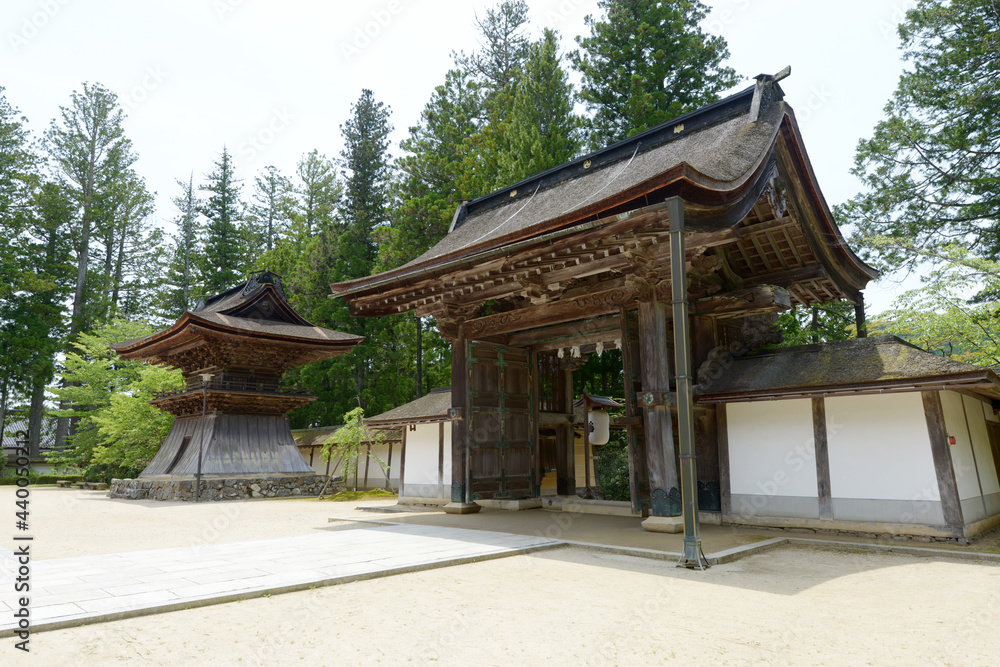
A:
{"points": [[495, 69], [930, 167], [271, 205], [543, 130], [366, 170], [48, 250], [92, 154], [645, 62], [185, 255], [225, 246], [17, 185], [318, 193], [130, 249]]}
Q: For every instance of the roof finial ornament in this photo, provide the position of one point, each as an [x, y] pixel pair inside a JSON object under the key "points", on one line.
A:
{"points": [[767, 91]]}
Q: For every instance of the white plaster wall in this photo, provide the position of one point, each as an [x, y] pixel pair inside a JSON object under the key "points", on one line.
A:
{"points": [[961, 452], [988, 412], [771, 448], [981, 445], [422, 455], [376, 478], [879, 448]]}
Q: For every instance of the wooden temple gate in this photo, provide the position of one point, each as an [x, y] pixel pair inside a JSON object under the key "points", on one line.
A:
{"points": [[670, 245], [502, 437]]}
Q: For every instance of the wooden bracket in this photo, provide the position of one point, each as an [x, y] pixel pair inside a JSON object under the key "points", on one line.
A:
{"points": [[455, 414]]}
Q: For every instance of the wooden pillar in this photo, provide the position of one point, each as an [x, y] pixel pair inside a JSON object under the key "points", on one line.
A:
{"points": [[661, 455], [822, 459], [859, 317], [441, 459], [951, 505], [565, 447], [460, 503], [725, 479], [388, 469], [402, 461], [368, 460]]}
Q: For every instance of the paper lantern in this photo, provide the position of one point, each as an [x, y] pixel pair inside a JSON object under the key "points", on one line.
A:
{"points": [[599, 423]]}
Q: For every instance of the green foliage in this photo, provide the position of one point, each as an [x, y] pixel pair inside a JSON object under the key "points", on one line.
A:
{"points": [[351, 442], [180, 283], [432, 172], [94, 161], [117, 428], [226, 253], [319, 194], [930, 167], [645, 62], [9, 477], [939, 316], [543, 132], [271, 206], [366, 165], [354, 496], [612, 467], [821, 323]]}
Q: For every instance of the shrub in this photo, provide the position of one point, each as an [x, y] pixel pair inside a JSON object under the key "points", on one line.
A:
{"points": [[612, 467]]}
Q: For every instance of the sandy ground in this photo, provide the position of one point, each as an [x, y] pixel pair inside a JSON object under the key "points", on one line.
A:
{"points": [[72, 522], [569, 606]]}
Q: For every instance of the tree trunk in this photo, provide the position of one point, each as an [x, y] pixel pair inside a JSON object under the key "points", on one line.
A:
{"points": [[35, 415], [117, 280], [3, 411]]}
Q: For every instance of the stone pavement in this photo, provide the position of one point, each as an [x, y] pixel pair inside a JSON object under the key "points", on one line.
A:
{"points": [[76, 591]]}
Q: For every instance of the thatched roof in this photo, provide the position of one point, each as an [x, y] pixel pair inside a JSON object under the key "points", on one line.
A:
{"points": [[316, 437], [432, 407], [859, 365], [714, 158]]}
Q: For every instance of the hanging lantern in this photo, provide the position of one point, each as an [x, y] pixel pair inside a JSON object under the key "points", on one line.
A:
{"points": [[599, 423]]}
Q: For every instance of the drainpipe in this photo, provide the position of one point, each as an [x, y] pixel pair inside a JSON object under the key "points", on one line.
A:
{"points": [[693, 556]]}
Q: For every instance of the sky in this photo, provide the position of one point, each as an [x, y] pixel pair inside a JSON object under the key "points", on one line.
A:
{"points": [[273, 80]]}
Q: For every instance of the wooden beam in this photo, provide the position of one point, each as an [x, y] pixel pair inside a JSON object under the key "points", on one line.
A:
{"points": [[762, 298], [822, 458], [787, 278], [563, 330], [769, 225], [581, 340], [564, 310], [951, 505]]}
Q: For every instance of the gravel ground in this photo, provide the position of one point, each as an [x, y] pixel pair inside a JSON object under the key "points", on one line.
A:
{"points": [[570, 606]]}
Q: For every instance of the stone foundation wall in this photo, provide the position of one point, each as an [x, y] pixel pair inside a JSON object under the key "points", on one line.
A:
{"points": [[228, 488]]}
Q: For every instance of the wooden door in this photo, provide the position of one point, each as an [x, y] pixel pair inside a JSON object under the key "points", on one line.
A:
{"points": [[501, 426]]}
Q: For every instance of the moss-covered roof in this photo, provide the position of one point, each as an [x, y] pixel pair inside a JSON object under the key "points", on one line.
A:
{"points": [[859, 364], [432, 407]]}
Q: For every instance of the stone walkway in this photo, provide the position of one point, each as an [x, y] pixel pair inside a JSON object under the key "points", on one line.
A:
{"points": [[75, 591]]}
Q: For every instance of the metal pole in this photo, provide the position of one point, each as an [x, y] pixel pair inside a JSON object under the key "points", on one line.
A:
{"points": [[693, 555], [205, 377]]}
